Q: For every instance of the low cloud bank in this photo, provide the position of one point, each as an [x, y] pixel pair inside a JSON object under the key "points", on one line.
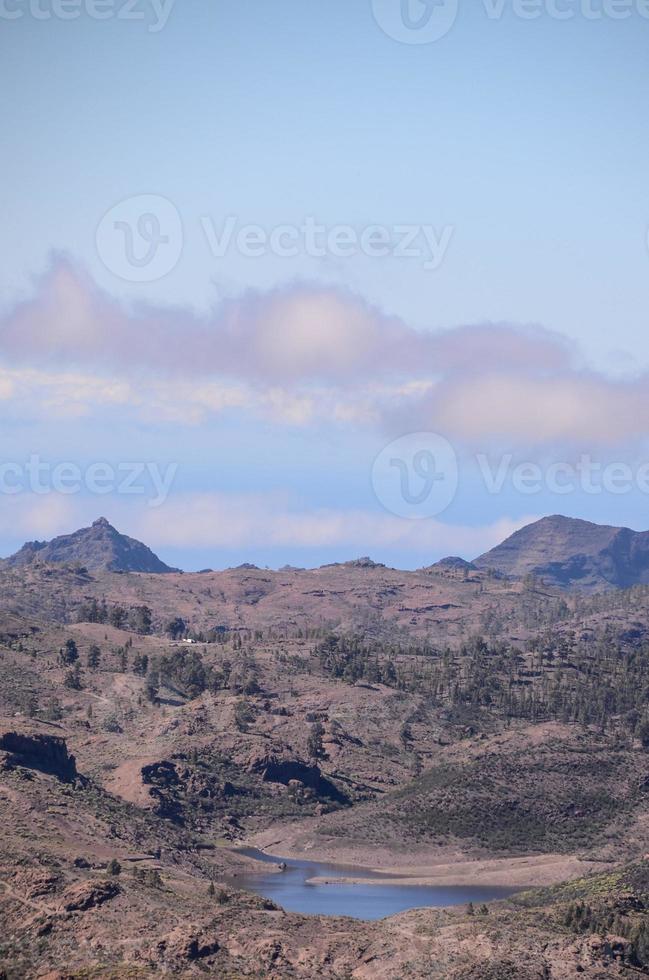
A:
{"points": [[219, 521]]}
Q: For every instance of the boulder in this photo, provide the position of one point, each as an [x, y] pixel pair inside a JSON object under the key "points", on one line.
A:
{"points": [[186, 946], [89, 894]]}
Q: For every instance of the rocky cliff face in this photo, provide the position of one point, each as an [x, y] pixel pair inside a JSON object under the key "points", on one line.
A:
{"points": [[573, 554], [100, 547], [46, 753], [288, 771]]}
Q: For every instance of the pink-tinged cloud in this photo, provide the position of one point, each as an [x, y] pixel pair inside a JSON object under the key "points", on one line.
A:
{"points": [[304, 353], [578, 408], [294, 334]]}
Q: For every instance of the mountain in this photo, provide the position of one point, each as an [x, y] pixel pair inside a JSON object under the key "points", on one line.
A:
{"points": [[571, 553], [563, 551], [100, 547]]}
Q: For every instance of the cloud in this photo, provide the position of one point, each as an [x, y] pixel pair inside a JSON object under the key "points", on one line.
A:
{"points": [[528, 408], [306, 354], [221, 521], [300, 333], [224, 521], [296, 333]]}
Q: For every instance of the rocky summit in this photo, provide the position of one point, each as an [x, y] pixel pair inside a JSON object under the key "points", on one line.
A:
{"points": [[97, 547], [573, 553]]}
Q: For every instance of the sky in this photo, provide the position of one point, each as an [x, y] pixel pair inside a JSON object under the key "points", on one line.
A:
{"points": [[295, 282]]}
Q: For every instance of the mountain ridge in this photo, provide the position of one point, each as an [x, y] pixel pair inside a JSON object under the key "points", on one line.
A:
{"points": [[572, 553], [98, 547], [566, 552]]}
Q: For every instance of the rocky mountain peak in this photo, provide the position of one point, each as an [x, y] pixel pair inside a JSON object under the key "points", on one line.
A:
{"points": [[100, 547], [573, 553], [102, 522]]}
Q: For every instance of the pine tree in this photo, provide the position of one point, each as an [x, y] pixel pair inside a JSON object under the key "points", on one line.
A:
{"points": [[69, 654], [72, 679]]}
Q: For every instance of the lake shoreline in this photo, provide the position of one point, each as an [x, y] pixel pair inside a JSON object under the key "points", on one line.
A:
{"points": [[323, 888], [447, 869]]}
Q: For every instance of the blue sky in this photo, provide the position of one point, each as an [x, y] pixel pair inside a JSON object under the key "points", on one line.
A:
{"points": [[520, 144]]}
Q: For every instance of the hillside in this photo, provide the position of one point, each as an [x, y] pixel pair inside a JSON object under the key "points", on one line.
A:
{"points": [[450, 724]]}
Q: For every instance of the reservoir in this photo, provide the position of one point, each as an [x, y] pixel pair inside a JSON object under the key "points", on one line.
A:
{"points": [[295, 892]]}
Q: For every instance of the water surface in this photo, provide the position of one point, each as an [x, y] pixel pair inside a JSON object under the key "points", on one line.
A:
{"points": [[292, 891]]}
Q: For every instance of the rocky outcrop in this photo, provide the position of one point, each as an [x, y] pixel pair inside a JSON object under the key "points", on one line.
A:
{"points": [[186, 946], [364, 562], [176, 787], [89, 894], [287, 771], [100, 547], [162, 774], [453, 563], [45, 753]]}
